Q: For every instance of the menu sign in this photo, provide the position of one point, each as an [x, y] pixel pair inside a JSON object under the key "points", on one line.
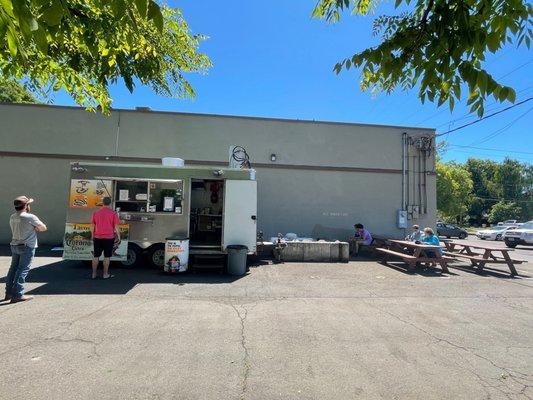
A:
{"points": [[77, 243], [88, 193]]}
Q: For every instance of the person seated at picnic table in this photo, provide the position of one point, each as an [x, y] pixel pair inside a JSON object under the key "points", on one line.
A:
{"points": [[415, 235], [429, 237], [364, 234]]}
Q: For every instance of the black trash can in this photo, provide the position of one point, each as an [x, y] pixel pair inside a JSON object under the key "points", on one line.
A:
{"points": [[237, 259]]}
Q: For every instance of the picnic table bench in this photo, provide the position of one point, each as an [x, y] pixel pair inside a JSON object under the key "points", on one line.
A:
{"points": [[486, 257], [418, 256]]}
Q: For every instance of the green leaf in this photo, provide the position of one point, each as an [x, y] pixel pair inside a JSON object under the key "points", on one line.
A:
{"points": [[12, 43], [33, 24], [142, 7], [53, 14], [154, 13], [511, 96], [118, 7], [40, 39]]}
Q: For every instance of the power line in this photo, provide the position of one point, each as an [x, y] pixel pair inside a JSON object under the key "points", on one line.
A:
{"points": [[496, 199], [485, 117], [527, 160], [470, 115], [491, 149], [500, 77], [501, 130]]}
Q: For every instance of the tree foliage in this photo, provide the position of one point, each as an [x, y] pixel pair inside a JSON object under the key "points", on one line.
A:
{"points": [[13, 92], [82, 46], [437, 46], [503, 210], [454, 186], [508, 182], [485, 188]]}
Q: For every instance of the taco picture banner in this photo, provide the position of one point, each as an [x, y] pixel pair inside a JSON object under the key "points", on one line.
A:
{"points": [[77, 243], [88, 193]]}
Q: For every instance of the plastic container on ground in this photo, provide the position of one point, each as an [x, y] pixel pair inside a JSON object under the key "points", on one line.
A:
{"points": [[237, 259], [176, 255]]}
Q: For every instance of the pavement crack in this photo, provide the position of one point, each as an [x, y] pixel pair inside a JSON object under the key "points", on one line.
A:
{"points": [[515, 376], [246, 357]]}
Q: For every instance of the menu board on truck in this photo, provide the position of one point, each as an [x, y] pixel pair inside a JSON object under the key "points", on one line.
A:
{"points": [[77, 243], [88, 193]]}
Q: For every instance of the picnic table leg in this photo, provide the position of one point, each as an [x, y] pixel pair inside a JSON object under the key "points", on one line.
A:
{"points": [[444, 266], [509, 262], [469, 252], [411, 265], [481, 264]]}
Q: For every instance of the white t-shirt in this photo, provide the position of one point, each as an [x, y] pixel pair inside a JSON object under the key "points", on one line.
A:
{"points": [[23, 228]]}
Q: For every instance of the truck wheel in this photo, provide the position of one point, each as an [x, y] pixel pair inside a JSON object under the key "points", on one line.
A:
{"points": [[509, 244], [156, 255], [133, 256], [462, 236]]}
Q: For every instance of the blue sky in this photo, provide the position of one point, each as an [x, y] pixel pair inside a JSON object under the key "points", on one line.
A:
{"points": [[272, 59]]}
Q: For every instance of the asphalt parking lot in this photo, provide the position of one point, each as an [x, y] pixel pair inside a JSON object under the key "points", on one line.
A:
{"points": [[359, 330]]}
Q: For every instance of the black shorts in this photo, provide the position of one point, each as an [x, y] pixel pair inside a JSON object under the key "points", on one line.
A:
{"points": [[103, 245]]}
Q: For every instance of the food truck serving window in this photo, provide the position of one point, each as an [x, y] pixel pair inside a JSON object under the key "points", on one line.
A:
{"points": [[149, 196], [166, 197]]}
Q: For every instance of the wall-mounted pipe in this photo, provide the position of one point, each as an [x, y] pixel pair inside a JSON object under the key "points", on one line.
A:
{"points": [[404, 143]]}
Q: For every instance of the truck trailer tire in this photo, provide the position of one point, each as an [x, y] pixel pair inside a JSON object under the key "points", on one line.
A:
{"points": [[133, 257], [156, 255]]}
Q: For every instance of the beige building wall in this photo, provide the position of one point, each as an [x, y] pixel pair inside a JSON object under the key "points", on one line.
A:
{"points": [[326, 176]]}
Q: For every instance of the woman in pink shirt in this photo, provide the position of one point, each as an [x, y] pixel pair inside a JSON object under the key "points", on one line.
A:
{"points": [[104, 227]]}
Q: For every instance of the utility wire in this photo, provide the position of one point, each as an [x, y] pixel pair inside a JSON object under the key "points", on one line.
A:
{"points": [[500, 77], [490, 149], [485, 117], [469, 115], [501, 130]]}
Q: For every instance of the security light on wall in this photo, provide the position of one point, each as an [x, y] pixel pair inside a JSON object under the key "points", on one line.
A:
{"points": [[272, 157]]}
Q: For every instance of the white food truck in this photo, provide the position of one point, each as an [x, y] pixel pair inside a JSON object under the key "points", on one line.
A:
{"points": [[206, 208]]}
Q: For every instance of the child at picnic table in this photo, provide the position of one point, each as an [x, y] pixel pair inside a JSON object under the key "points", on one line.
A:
{"points": [[429, 237]]}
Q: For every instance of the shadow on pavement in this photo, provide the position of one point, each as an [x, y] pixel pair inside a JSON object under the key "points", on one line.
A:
{"points": [[428, 272], [488, 271], [73, 277]]}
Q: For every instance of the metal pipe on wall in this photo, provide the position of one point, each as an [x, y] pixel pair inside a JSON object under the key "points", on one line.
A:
{"points": [[419, 153], [404, 143], [118, 135]]}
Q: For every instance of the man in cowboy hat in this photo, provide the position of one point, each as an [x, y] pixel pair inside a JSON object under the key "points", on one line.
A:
{"points": [[24, 227]]}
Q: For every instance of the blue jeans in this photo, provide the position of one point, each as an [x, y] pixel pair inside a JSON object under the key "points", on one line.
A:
{"points": [[21, 258]]}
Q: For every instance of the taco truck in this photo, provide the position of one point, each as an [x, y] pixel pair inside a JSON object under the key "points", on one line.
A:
{"points": [[201, 210]]}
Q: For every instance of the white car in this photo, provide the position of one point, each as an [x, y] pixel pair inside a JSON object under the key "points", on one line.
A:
{"points": [[494, 232], [521, 235]]}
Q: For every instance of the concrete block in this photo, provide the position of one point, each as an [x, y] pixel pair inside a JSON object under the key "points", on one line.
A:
{"points": [[334, 251], [316, 251], [344, 252], [293, 252]]}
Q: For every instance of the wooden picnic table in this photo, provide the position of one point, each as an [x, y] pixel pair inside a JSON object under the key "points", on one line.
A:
{"points": [[418, 256], [486, 257], [447, 243]]}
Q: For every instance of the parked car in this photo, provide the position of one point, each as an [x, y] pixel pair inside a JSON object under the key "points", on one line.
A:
{"points": [[508, 222], [494, 232], [450, 230], [521, 235]]}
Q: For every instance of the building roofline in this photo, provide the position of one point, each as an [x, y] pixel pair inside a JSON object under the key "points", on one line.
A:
{"points": [[190, 114]]}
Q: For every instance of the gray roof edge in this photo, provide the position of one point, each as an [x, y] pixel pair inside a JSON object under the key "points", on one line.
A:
{"points": [[191, 114]]}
